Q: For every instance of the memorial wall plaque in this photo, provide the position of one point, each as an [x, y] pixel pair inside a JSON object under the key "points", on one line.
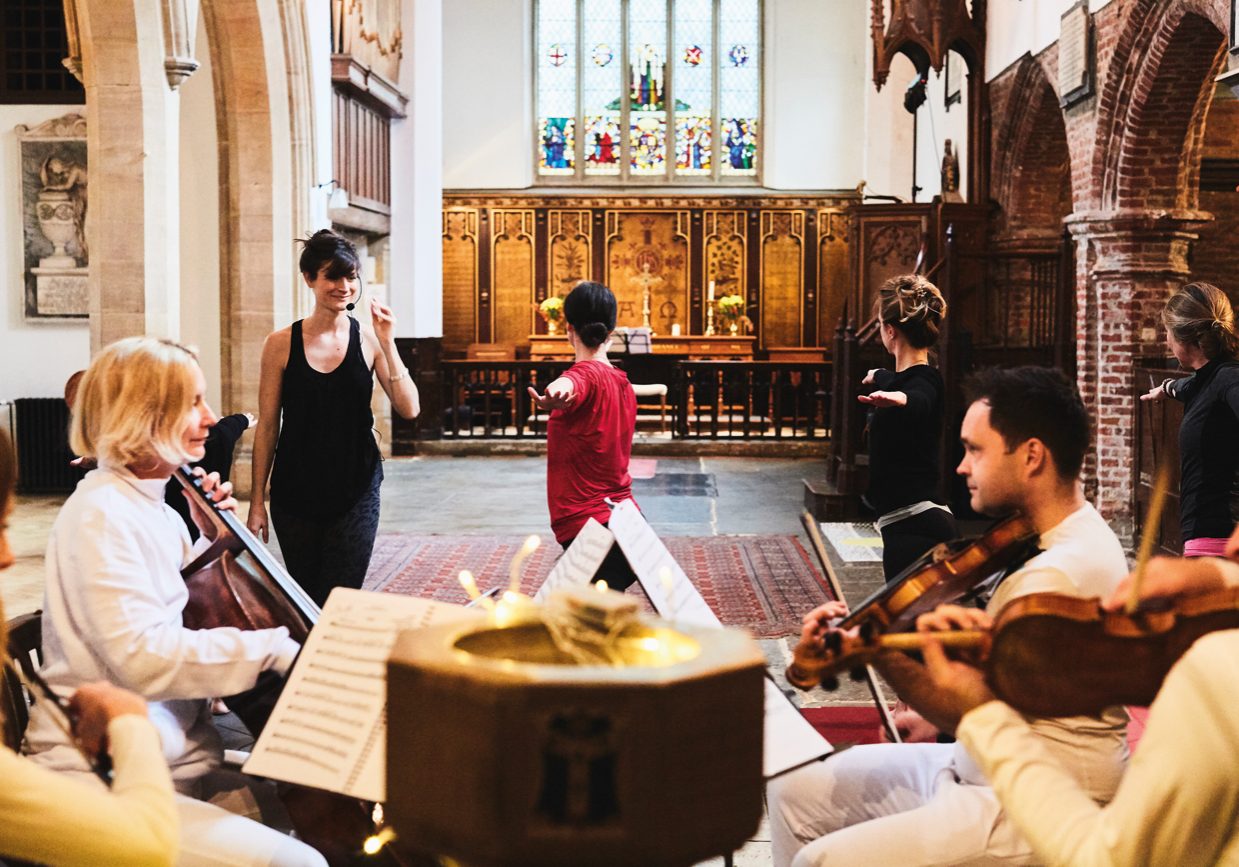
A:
{"points": [[55, 257], [1075, 55]]}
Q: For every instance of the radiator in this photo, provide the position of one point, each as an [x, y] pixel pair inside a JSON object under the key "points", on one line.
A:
{"points": [[42, 439]]}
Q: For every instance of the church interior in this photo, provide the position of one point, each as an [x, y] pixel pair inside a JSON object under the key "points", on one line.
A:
{"points": [[745, 176]]}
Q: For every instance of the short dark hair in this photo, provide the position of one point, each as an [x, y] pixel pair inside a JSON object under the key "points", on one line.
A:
{"points": [[590, 310], [1040, 402], [325, 247]]}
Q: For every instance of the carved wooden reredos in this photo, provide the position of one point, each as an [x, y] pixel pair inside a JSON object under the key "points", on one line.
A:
{"points": [[787, 256]]}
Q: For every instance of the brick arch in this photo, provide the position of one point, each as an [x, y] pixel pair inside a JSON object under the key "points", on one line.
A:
{"points": [[1032, 161], [1147, 156]]}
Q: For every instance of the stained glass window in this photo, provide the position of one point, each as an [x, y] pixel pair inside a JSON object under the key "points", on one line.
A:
{"points": [[648, 90]]}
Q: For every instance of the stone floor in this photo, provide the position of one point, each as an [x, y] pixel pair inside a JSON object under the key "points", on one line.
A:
{"points": [[460, 495]]}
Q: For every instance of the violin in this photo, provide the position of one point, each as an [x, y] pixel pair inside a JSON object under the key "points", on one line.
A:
{"points": [[237, 582], [1050, 655], [947, 573]]}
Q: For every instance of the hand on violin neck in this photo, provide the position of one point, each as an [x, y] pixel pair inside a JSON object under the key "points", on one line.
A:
{"points": [[951, 618], [958, 687], [1169, 577]]}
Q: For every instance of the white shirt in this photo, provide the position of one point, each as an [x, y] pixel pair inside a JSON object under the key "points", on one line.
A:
{"points": [[1080, 556], [112, 611]]}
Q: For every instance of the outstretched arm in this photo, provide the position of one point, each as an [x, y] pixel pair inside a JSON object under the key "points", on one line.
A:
{"points": [[560, 394]]}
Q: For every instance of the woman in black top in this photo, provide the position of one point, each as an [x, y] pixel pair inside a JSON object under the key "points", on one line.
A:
{"points": [[318, 373], [905, 426], [1200, 328]]}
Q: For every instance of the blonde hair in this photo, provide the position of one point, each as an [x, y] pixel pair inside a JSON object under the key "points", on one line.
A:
{"points": [[914, 306], [133, 402], [1200, 314]]}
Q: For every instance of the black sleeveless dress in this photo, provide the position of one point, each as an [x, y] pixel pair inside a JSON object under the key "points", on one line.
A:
{"points": [[326, 455]]}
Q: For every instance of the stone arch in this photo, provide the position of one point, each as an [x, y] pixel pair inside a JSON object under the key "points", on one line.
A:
{"points": [[256, 161], [1032, 161], [1148, 136]]}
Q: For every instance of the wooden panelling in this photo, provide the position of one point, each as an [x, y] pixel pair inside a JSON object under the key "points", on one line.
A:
{"points": [[832, 271], [788, 256], [460, 278], [782, 278], [362, 153], [570, 258], [513, 257]]}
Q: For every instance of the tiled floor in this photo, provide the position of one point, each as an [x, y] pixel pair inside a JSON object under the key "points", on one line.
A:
{"points": [[460, 495]]}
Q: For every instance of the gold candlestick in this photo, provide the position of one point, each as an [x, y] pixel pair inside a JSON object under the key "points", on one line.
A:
{"points": [[710, 321]]}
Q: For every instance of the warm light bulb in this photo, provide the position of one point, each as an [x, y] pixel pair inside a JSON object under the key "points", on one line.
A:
{"points": [[375, 842], [602, 585]]}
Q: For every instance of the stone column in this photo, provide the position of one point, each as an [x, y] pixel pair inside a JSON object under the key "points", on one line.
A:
{"points": [[1127, 265], [132, 139]]}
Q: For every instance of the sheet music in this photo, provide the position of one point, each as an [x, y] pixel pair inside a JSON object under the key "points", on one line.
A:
{"points": [[329, 728], [789, 740], [650, 559], [580, 562]]}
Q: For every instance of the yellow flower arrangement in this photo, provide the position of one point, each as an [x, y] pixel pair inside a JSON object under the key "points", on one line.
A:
{"points": [[731, 308], [552, 309]]}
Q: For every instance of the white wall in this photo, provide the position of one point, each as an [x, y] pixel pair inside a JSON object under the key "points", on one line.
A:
{"points": [[814, 93], [415, 281], [815, 87], [35, 358], [1027, 26], [199, 212], [487, 75]]}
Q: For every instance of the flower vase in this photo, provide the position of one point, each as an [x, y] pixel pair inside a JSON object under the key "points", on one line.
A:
{"points": [[734, 328], [552, 327]]}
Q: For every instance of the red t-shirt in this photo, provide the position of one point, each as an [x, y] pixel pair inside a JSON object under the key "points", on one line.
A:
{"points": [[588, 447]]}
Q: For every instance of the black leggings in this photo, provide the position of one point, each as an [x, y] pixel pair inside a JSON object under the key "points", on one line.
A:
{"points": [[905, 541], [322, 553]]}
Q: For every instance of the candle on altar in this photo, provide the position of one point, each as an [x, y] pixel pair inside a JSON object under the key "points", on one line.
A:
{"points": [[710, 295]]}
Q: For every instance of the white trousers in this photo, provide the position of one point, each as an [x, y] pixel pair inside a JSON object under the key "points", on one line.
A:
{"points": [[222, 814], [888, 804]]}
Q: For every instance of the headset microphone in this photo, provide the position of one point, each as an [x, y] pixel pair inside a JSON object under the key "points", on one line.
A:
{"points": [[361, 288]]}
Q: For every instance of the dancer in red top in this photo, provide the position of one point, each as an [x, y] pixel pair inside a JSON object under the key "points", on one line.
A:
{"points": [[589, 435]]}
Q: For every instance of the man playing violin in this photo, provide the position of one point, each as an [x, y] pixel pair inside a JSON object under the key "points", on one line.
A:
{"points": [[1179, 802], [1024, 436]]}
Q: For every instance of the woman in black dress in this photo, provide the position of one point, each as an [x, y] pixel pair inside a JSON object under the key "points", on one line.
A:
{"points": [[905, 425], [1200, 328], [315, 424]]}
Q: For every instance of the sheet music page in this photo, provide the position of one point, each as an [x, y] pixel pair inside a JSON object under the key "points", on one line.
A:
{"points": [[649, 557], [580, 562], [329, 727], [789, 740]]}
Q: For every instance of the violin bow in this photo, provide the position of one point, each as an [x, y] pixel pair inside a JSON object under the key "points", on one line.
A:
{"points": [[1148, 537], [63, 717], [871, 679]]}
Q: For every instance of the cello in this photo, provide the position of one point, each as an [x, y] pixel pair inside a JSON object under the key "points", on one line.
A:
{"points": [[236, 582]]}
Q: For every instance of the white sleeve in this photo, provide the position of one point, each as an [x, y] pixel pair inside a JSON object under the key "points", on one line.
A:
{"points": [[141, 640], [1177, 803]]}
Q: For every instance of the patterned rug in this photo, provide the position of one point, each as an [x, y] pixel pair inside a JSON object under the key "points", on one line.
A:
{"points": [[762, 583]]}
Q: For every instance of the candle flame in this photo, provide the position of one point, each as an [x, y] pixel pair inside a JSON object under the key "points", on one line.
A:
{"points": [[602, 585], [375, 842]]}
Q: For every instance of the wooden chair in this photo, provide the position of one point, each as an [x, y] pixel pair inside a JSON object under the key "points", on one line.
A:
{"points": [[651, 390], [25, 643]]}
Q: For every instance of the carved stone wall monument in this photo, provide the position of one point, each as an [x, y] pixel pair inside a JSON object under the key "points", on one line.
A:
{"points": [[54, 210]]}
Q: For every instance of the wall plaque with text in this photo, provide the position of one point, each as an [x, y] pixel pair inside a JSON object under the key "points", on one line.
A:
{"points": [[1075, 54]]}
